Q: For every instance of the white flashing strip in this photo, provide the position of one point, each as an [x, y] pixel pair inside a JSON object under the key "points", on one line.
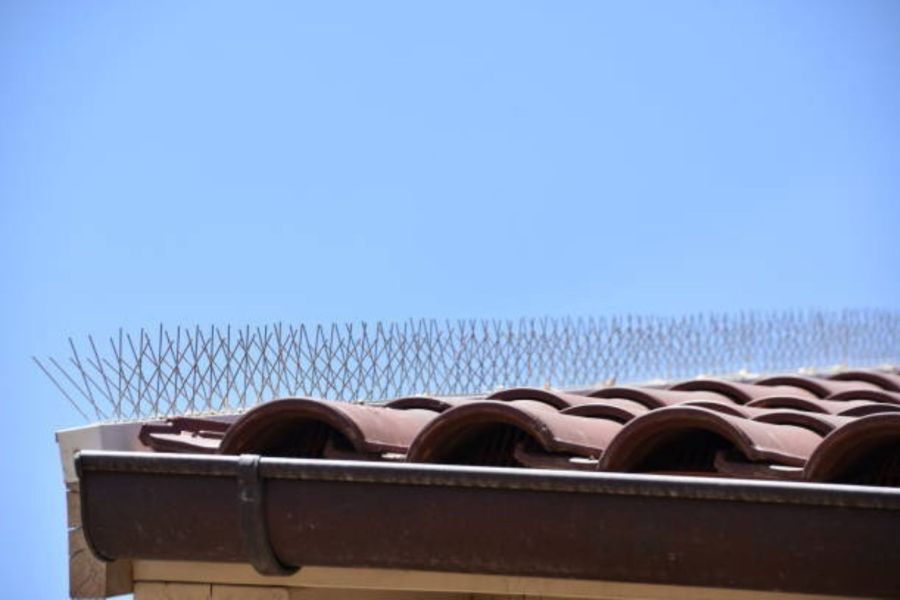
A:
{"points": [[102, 436]]}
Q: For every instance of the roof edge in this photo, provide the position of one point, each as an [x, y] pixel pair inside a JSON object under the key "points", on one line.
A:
{"points": [[122, 521]]}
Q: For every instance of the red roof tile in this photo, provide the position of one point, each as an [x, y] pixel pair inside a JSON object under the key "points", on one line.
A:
{"points": [[555, 399], [817, 422], [435, 403], [865, 451], [617, 409], [304, 427], [742, 392], [656, 398], [822, 388], [780, 427], [851, 408], [886, 381], [513, 433], [728, 407], [874, 395], [186, 434], [691, 439]]}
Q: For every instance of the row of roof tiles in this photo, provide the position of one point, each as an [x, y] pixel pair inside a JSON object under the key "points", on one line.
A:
{"points": [[845, 428]]}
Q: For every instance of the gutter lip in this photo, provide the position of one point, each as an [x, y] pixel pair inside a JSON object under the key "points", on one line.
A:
{"points": [[498, 478]]}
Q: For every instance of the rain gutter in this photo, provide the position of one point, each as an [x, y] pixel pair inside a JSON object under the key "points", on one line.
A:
{"points": [[281, 514]]}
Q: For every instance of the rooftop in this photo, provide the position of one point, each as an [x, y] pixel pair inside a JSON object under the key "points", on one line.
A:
{"points": [[842, 429], [723, 485], [783, 484]]}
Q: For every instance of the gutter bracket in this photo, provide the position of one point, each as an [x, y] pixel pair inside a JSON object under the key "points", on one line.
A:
{"points": [[254, 533]]}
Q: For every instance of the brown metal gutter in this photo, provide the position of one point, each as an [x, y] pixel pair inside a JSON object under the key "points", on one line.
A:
{"points": [[280, 514]]}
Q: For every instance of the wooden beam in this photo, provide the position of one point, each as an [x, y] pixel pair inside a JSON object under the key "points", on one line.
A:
{"points": [[324, 578], [172, 591]]}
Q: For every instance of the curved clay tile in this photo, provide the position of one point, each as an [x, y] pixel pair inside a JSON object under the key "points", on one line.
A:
{"points": [[514, 433], [617, 409], [655, 397], [186, 434], [861, 408], [820, 423], [532, 405], [884, 380], [691, 439], [873, 395], [822, 388], [433, 403], [309, 428], [850, 408], [558, 400], [726, 406], [741, 393], [866, 451]]}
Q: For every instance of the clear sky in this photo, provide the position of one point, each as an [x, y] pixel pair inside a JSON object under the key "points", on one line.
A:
{"points": [[215, 162]]}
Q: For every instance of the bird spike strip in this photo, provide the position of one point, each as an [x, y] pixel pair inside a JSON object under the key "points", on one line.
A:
{"points": [[165, 371]]}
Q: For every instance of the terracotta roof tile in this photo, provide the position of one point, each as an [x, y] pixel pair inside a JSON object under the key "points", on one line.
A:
{"points": [[186, 434], [617, 409], [884, 380], [741, 393], [865, 451], [435, 403], [780, 427], [657, 398], [873, 395], [511, 433], [822, 388], [728, 407], [554, 398], [820, 423], [694, 439], [851, 408], [305, 427]]}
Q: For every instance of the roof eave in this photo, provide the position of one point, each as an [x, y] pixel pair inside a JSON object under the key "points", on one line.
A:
{"points": [[281, 514]]}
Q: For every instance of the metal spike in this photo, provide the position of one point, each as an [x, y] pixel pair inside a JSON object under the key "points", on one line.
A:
{"points": [[60, 387], [211, 369]]}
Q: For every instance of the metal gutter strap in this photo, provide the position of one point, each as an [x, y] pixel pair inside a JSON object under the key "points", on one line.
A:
{"points": [[254, 532], [617, 484]]}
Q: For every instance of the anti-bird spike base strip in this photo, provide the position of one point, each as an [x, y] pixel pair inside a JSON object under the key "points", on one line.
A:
{"points": [[199, 370]]}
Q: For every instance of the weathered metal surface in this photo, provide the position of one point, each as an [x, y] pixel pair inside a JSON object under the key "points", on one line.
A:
{"points": [[810, 538]]}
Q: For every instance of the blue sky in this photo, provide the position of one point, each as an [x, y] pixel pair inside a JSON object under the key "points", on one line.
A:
{"points": [[214, 162]]}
